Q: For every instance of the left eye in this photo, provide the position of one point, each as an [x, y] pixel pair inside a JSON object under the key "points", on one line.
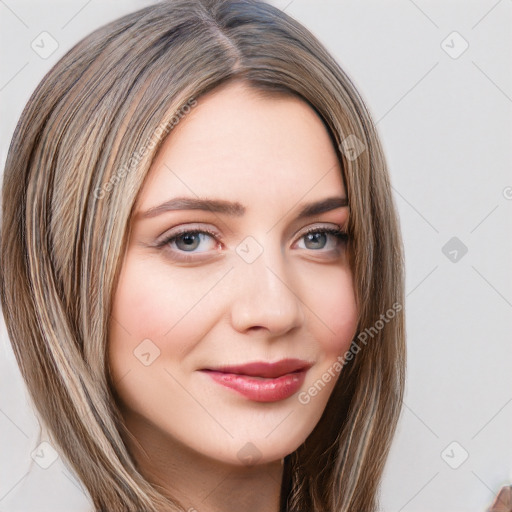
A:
{"points": [[317, 238]]}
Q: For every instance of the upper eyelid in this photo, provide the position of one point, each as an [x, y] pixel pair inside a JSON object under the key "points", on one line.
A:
{"points": [[180, 230]]}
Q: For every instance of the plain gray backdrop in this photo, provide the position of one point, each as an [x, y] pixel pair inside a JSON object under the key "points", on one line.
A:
{"points": [[437, 77]]}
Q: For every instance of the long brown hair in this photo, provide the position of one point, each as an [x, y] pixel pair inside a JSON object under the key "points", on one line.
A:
{"points": [[68, 193]]}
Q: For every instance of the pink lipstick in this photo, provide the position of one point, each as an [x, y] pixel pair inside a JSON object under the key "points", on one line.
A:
{"points": [[261, 381]]}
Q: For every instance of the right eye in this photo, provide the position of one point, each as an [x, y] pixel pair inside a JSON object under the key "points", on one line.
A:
{"points": [[189, 241], [182, 245]]}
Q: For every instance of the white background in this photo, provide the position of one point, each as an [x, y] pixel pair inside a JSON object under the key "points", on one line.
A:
{"points": [[445, 121]]}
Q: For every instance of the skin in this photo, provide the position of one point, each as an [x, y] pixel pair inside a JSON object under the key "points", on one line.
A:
{"points": [[296, 300]]}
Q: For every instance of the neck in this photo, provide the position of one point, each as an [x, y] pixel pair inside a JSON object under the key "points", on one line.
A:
{"points": [[200, 483]]}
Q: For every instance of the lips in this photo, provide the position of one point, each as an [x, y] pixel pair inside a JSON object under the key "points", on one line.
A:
{"points": [[262, 381], [265, 370]]}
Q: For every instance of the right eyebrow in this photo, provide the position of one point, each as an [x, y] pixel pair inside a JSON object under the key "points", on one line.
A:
{"points": [[190, 203]]}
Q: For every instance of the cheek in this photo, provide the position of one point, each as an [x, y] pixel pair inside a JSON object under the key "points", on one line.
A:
{"points": [[147, 300], [337, 316], [334, 306], [156, 303]]}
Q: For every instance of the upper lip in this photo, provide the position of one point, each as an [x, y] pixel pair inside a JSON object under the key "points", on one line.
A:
{"points": [[265, 369]]}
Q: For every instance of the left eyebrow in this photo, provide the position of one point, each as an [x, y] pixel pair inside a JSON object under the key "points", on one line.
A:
{"points": [[325, 205]]}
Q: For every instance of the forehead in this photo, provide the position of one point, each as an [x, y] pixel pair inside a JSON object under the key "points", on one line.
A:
{"points": [[240, 145]]}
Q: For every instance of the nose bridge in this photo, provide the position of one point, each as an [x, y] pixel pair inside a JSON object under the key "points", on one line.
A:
{"points": [[265, 294]]}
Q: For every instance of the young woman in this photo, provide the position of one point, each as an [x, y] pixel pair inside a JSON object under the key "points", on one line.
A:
{"points": [[201, 266]]}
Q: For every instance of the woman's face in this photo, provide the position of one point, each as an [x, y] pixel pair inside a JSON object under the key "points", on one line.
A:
{"points": [[205, 292]]}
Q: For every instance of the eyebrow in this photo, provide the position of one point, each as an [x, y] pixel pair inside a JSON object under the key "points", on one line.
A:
{"points": [[235, 208]]}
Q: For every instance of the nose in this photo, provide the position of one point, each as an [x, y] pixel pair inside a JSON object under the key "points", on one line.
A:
{"points": [[265, 297]]}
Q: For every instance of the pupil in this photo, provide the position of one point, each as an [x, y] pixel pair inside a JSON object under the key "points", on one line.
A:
{"points": [[313, 237], [189, 241]]}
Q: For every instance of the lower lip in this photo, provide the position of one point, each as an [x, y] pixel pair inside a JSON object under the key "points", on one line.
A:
{"points": [[261, 389]]}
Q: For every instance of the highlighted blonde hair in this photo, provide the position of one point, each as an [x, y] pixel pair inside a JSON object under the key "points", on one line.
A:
{"points": [[68, 193]]}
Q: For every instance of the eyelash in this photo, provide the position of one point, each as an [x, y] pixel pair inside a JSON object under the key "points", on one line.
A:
{"points": [[341, 235], [337, 232]]}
